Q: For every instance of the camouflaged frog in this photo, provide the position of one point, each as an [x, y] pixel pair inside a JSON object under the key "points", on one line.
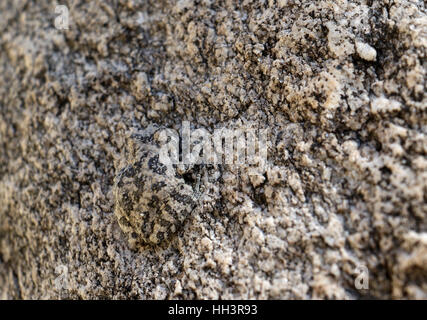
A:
{"points": [[152, 200]]}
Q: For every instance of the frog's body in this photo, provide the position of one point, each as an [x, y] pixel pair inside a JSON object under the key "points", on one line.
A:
{"points": [[152, 200]]}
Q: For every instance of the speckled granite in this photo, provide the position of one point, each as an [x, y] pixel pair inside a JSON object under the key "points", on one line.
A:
{"points": [[339, 84]]}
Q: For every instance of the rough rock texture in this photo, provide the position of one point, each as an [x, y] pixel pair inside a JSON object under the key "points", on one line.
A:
{"points": [[340, 84]]}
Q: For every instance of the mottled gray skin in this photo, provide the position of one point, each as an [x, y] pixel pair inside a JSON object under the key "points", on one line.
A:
{"points": [[152, 200]]}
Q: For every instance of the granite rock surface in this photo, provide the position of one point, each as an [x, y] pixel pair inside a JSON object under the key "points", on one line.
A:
{"points": [[340, 86]]}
